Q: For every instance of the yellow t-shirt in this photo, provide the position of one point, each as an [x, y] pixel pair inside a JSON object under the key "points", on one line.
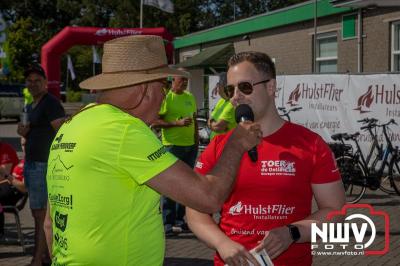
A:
{"points": [[102, 212], [175, 107], [27, 96], [223, 110]]}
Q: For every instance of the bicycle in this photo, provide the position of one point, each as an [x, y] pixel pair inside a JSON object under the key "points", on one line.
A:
{"points": [[382, 154], [357, 175], [369, 125], [350, 169], [204, 133], [285, 113]]}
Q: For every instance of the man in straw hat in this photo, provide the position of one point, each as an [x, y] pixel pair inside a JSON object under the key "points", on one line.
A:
{"points": [[107, 169]]}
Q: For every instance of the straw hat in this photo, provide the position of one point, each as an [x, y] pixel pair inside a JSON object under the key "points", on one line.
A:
{"points": [[131, 60]]}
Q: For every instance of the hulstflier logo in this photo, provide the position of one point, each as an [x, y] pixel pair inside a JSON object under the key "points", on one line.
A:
{"points": [[117, 32], [101, 32], [315, 91], [364, 101], [335, 237], [294, 96], [261, 211], [379, 95], [236, 209]]}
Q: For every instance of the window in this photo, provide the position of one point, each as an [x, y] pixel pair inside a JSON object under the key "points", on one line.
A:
{"points": [[395, 46], [349, 26], [326, 52]]}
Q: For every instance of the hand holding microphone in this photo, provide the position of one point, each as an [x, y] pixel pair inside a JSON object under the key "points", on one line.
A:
{"points": [[245, 117]]}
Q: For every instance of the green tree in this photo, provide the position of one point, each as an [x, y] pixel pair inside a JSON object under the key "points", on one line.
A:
{"points": [[34, 22], [22, 44]]}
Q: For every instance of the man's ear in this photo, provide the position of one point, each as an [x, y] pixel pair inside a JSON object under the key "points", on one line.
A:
{"points": [[271, 87]]}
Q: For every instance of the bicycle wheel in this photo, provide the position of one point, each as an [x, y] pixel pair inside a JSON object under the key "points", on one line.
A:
{"points": [[204, 133], [394, 173], [353, 177], [386, 182]]}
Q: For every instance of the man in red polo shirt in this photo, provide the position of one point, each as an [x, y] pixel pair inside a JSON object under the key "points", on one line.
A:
{"points": [[270, 205]]}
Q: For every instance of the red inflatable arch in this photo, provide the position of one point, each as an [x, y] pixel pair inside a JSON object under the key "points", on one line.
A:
{"points": [[70, 36]]}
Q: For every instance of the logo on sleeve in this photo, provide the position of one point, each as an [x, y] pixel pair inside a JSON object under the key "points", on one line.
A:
{"points": [[61, 241], [157, 154], [66, 146], [60, 200], [61, 221], [199, 165], [59, 169]]}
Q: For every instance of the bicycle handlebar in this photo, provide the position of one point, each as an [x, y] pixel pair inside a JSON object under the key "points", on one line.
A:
{"points": [[351, 136], [391, 121], [296, 109], [370, 125], [368, 120]]}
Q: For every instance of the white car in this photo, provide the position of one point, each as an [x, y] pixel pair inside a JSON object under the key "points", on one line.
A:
{"points": [[11, 101]]}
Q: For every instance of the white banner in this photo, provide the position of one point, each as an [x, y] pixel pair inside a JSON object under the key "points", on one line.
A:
{"points": [[96, 57], [70, 67], [333, 103], [213, 95], [164, 5]]}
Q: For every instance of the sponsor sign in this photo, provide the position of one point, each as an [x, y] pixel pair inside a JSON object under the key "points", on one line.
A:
{"points": [[333, 103]]}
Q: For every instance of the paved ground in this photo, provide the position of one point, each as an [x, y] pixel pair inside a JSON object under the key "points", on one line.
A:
{"points": [[187, 250]]}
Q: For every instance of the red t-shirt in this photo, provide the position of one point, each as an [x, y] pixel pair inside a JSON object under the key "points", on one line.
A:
{"points": [[18, 171], [274, 191], [8, 155]]}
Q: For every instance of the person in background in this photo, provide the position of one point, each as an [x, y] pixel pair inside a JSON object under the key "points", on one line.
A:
{"points": [[17, 178], [9, 184], [107, 170], [180, 136], [222, 118], [45, 116], [28, 99], [8, 158], [270, 205]]}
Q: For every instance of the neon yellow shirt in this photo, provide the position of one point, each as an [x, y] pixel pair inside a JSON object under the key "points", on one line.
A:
{"points": [[102, 212], [27, 96], [223, 110], [175, 107]]}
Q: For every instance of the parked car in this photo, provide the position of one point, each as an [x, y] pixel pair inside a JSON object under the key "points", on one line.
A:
{"points": [[11, 100]]}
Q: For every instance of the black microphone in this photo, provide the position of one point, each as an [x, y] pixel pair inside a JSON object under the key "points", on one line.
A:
{"points": [[243, 112]]}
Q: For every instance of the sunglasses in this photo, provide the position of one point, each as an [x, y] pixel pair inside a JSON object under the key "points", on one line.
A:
{"points": [[244, 87]]}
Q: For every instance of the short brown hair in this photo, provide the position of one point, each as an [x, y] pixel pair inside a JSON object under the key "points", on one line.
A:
{"points": [[262, 62]]}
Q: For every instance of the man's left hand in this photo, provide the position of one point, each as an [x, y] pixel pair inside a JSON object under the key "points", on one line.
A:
{"points": [[276, 241], [22, 130]]}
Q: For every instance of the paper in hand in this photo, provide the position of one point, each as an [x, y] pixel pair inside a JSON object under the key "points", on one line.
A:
{"points": [[262, 258]]}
